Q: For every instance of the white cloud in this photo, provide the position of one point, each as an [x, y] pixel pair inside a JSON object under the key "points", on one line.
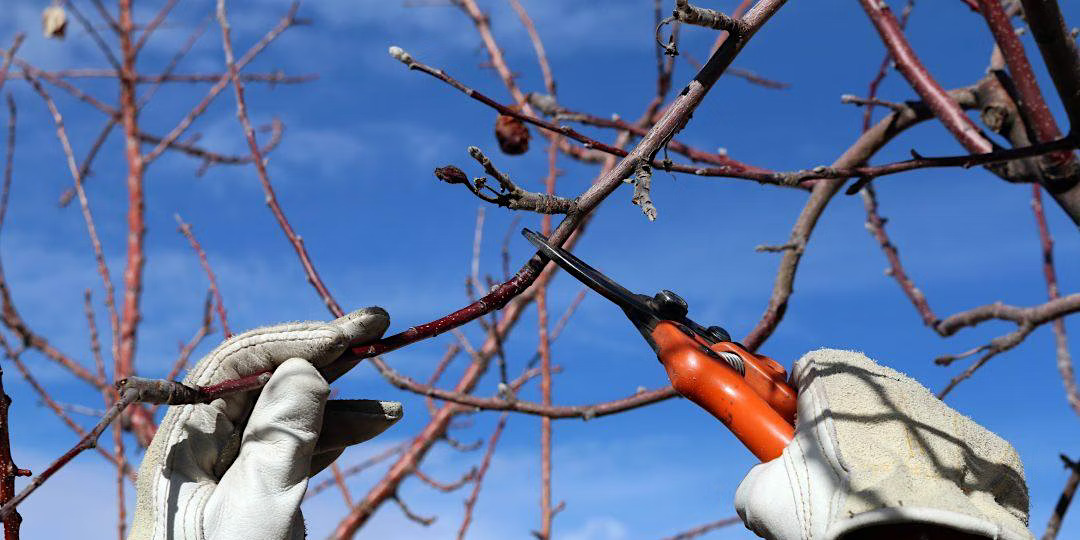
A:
{"points": [[599, 528]]}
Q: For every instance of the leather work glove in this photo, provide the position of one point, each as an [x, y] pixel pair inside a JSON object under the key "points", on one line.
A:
{"points": [[238, 467], [876, 455]]}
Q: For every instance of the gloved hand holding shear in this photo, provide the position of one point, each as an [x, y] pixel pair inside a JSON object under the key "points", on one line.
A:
{"points": [[851, 449]]}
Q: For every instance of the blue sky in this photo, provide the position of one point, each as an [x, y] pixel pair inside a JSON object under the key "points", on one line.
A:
{"points": [[354, 175]]}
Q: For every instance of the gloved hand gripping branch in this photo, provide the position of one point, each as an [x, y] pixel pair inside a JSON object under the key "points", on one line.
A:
{"points": [[238, 467]]}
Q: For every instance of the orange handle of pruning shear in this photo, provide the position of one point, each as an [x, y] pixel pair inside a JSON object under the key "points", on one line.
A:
{"points": [[758, 406], [746, 392]]}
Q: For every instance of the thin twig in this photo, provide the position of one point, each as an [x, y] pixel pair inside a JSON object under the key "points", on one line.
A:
{"points": [[91, 229], [9, 55], [478, 480], [1062, 506], [87, 442], [260, 165], [285, 23], [422, 520], [315, 489], [1064, 359], [702, 529], [446, 487], [55, 407], [219, 303]]}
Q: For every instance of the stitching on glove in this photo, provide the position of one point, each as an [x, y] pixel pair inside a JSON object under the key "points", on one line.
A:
{"points": [[789, 466], [167, 466], [202, 494], [217, 357]]}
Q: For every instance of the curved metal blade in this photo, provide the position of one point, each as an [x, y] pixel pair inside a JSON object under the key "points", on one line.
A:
{"points": [[591, 276]]}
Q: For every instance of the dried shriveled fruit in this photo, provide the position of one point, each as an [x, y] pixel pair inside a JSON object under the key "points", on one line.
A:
{"points": [[512, 135]]}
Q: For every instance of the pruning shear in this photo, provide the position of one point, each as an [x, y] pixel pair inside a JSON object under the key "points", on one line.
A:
{"points": [[745, 391]]}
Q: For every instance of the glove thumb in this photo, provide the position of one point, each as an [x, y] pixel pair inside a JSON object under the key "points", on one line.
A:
{"points": [[351, 421], [765, 503]]}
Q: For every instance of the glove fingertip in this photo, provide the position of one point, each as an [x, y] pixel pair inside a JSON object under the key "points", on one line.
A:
{"points": [[365, 324]]}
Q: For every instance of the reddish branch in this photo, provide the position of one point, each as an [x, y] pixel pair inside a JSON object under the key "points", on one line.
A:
{"points": [[445, 487], [11, 317], [1059, 171], [1037, 115], [8, 470], [207, 157], [1059, 52], [871, 92], [483, 27], [154, 23], [728, 167], [94, 35], [9, 157], [1064, 359], [945, 109], [544, 349], [702, 529], [185, 229], [136, 221], [284, 24], [87, 442], [538, 45], [260, 165], [6, 64], [478, 480], [876, 225], [276, 77], [315, 489], [84, 206], [55, 407], [121, 466], [1026, 319], [500, 403], [949, 112], [864, 147], [95, 343]]}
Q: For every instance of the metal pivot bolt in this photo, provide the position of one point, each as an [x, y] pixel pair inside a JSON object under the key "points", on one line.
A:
{"points": [[719, 333], [670, 305]]}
